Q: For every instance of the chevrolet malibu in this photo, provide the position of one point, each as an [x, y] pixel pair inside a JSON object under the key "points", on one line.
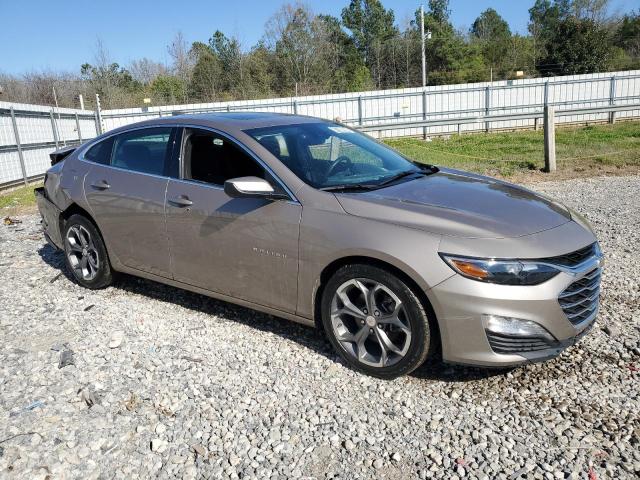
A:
{"points": [[312, 221]]}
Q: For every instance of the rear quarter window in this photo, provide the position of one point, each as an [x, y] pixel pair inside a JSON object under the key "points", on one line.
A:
{"points": [[100, 152]]}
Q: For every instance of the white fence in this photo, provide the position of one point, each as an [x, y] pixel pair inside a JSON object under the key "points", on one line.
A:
{"points": [[28, 133], [416, 111]]}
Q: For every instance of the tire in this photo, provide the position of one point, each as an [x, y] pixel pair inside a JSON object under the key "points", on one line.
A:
{"points": [[85, 253], [360, 337]]}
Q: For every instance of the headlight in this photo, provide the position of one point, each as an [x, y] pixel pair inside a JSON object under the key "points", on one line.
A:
{"points": [[502, 272]]}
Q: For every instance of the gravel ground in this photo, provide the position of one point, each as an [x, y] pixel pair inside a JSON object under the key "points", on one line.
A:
{"points": [[171, 384]]}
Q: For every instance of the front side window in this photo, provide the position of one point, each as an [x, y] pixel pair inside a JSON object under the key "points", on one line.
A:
{"points": [[100, 152], [146, 150], [326, 155], [214, 159]]}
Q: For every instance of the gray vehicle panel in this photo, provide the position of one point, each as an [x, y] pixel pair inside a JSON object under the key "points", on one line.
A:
{"points": [[243, 247], [131, 216]]}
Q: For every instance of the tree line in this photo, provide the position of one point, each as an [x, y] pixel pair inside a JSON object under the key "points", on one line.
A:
{"points": [[304, 53]]}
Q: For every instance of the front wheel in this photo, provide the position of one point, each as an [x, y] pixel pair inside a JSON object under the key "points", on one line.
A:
{"points": [[85, 253], [375, 321]]}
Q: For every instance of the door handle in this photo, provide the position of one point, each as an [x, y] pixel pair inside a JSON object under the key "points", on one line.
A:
{"points": [[182, 201], [101, 185]]}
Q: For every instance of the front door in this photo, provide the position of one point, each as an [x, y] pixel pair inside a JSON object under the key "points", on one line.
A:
{"points": [[243, 247], [126, 193]]}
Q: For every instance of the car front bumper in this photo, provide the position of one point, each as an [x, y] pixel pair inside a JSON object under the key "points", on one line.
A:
{"points": [[462, 307]]}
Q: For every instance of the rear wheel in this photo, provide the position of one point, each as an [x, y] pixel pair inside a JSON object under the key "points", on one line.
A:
{"points": [[375, 321], [85, 253]]}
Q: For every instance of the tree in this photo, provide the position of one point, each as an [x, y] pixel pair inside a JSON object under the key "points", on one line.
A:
{"points": [[492, 32], [577, 46], [114, 84], [346, 68], [544, 17], [183, 63], [371, 26], [261, 71], [627, 35], [439, 11], [295, 35], [449, 58], [594, 10], [206, 74], [228, 52], [146, 70], [490, 26], [168, 89]]}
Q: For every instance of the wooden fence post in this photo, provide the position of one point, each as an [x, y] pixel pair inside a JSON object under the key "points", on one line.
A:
{"points": [[549, 139]]}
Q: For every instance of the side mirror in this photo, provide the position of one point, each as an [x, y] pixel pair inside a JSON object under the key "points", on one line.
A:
{"points": [[250, 187]]}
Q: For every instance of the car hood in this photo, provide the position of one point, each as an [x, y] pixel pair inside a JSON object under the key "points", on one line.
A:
{"points": [[456, 203]]}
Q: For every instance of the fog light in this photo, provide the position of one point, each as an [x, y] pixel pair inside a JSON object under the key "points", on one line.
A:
{"points": [[515, 327]]}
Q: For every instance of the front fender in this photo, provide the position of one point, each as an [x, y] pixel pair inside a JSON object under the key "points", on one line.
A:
{"points": [[328, 236]]}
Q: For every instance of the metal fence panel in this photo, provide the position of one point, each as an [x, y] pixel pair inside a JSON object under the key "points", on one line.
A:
{"points": [[435, 110], [41, 130]]}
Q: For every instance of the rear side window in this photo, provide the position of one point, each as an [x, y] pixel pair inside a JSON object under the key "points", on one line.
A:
{"points": [[146, 151], [100, 152]]}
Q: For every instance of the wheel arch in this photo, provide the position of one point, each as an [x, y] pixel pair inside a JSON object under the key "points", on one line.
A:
{"points": [[336, 264], [75, 209]]}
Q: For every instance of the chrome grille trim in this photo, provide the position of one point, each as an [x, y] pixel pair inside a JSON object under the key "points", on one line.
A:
{"points": [[573, 259], [591, 298], [580, 300]]}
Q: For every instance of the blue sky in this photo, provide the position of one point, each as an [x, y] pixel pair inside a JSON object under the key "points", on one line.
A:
{"points": [[61, 35]]}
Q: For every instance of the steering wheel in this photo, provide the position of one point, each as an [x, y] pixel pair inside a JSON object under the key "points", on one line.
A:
{"points": [[342, 161]]}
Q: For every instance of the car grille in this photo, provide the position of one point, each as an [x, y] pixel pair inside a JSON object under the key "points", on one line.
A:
{"points": [[574, 258], [579, 301], [516, 345]]}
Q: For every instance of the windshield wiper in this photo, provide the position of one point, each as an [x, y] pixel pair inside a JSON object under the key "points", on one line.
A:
{"points": [[400, 175], [356, 187]]}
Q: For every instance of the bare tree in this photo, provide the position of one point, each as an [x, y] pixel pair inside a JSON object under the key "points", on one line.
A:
{"points": [[183, 60], [596, 10], [293, 34], [146, 70]]}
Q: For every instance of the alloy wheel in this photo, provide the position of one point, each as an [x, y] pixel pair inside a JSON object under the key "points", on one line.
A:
{"points": [[82, 253], [370, 322]]}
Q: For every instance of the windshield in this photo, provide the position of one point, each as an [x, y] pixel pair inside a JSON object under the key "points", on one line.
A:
{"points": [[327, 155]]}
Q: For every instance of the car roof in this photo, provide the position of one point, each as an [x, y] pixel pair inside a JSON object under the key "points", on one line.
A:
{"points": [[227, 121]]}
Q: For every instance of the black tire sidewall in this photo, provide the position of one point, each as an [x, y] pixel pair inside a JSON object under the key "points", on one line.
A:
{"points": [[421, 341], [104, 276]]}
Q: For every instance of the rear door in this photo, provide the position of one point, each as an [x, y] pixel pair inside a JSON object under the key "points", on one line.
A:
{"points": [[126, 194], [246, 248]]}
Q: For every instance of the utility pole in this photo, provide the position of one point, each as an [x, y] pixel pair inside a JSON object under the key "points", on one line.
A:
{"points": [[423, 38], [424, 58]]}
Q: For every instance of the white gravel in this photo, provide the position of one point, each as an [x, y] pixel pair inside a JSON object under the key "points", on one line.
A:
{"points": [[160, 382]]}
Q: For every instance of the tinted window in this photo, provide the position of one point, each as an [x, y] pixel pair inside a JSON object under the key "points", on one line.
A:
{"points": [[100, 152], [326, 155], [145, 150], [214, 159]]}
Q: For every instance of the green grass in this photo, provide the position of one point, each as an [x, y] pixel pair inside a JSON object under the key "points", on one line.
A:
{"points": [[17, 199], [584, 150]]}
